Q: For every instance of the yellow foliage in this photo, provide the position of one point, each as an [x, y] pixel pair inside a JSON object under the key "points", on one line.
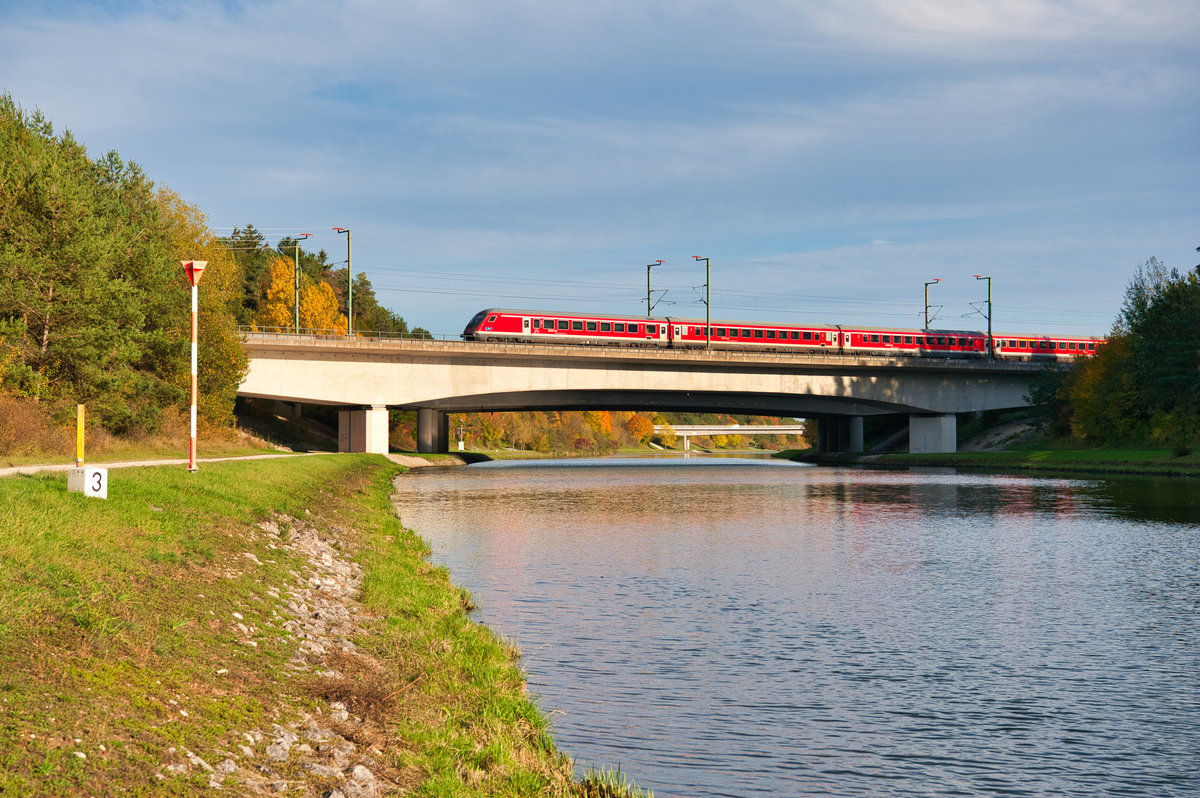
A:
{"points": [[319, 310], [276, 312], [600, 422]]}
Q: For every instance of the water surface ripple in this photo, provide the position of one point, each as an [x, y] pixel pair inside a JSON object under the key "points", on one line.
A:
{"points": [[762, 629]]}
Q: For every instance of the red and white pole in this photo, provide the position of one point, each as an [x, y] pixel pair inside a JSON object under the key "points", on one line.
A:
{"points": [[194, 269]]}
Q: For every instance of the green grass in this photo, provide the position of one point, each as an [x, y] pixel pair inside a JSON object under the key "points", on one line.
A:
{"points": [[118, 638], [1040, 457]]}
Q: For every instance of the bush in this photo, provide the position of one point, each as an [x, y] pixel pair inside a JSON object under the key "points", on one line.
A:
{"points": [[27, 428]]}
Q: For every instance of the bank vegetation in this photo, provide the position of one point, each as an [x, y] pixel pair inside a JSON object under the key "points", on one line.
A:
{"points": [[149, 644]]}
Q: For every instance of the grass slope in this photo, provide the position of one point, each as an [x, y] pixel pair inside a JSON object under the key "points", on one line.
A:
{"points": [[1149, 461], [138, 629]]}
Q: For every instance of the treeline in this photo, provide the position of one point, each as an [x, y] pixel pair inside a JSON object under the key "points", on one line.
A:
{"points": [[1144, 384], [94, 304], [603, 431], [93, 300], [268, 277]]}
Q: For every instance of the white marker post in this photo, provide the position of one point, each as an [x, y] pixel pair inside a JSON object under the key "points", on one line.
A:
{"points": [[194, 269]]}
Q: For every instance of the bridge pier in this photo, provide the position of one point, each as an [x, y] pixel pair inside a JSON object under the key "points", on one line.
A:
{"points": [[363, 430], [850, 433], [433, 431], [932, 434], [840, 434]]}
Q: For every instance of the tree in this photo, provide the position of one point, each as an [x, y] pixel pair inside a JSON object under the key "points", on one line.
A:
{"points": [[1145, 381], [319, 310], [249, 250], [277, 301], [640, 428], [222, 361], [93, 303]]}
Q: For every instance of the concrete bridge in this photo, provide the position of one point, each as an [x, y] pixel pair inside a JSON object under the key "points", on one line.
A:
{"points": [[689, 431], [365, 377]]}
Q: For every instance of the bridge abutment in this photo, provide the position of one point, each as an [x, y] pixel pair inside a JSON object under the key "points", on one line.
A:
{"points": [[932, 434], [433, 431], [363, 430]]}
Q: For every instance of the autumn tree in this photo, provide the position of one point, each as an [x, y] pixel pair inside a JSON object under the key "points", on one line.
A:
{"points": [[1145, 381], [640, 427], [277, 301], [319, 310]]}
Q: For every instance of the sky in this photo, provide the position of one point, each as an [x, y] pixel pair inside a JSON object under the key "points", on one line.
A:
{"points": [[829, 157]]}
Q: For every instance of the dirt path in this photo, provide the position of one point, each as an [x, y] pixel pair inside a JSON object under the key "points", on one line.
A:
{"points": [[405, 460]]}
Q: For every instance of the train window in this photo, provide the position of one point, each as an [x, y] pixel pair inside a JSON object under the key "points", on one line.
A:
{"points": [[576, 325], [537, 323], [1091, 346], [1054, 344], [619, 326], [491, 318], [1071, 345], [795, 336], [770, 333], [808, 335], [606, 326], [562, 324], [633, 328], [941, 341], [919, 340], [887, 339], [651, 329], [874, 339], [908, 339], [591, 326], [758, 333], [721, 331]]}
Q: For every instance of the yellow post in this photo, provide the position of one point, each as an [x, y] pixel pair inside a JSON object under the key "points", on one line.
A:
{"points": [[78, 436]]}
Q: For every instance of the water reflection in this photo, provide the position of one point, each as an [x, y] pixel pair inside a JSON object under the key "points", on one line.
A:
{"points": [[778, 630]]}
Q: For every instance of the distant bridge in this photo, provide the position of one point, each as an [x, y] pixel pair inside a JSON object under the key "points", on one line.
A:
{"points": [[689, 431], [365, 377]]}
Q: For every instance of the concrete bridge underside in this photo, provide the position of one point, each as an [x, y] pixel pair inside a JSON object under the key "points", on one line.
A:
{"points": [[435, 378]]}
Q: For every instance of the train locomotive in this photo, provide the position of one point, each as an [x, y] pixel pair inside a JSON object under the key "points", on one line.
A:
{"points": [[670, 332]]}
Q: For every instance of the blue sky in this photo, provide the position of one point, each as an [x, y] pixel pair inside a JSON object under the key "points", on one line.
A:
{"points": [[829, 156]]}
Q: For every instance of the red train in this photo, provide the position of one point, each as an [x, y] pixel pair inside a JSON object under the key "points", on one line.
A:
{"points": [[501, 324]]}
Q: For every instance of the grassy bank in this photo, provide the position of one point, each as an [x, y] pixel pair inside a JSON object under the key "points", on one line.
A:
{"points": [[144, 632], [1148, 461], [1036, 458]]}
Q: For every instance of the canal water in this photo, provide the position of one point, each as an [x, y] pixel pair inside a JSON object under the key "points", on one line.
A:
{"points": [[742, 628]]}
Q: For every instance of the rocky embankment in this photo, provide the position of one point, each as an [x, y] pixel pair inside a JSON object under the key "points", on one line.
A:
{"points": [[323, 753]]}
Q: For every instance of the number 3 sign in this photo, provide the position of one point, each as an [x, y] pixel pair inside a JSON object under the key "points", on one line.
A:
{"points": [[89, 481]]}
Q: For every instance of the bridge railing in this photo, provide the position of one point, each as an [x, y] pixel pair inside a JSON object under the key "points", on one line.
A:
{"points": [[326, 334]]}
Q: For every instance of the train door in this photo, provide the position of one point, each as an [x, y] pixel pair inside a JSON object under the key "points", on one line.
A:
{"points": [[675, 334], [525, 325]]}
